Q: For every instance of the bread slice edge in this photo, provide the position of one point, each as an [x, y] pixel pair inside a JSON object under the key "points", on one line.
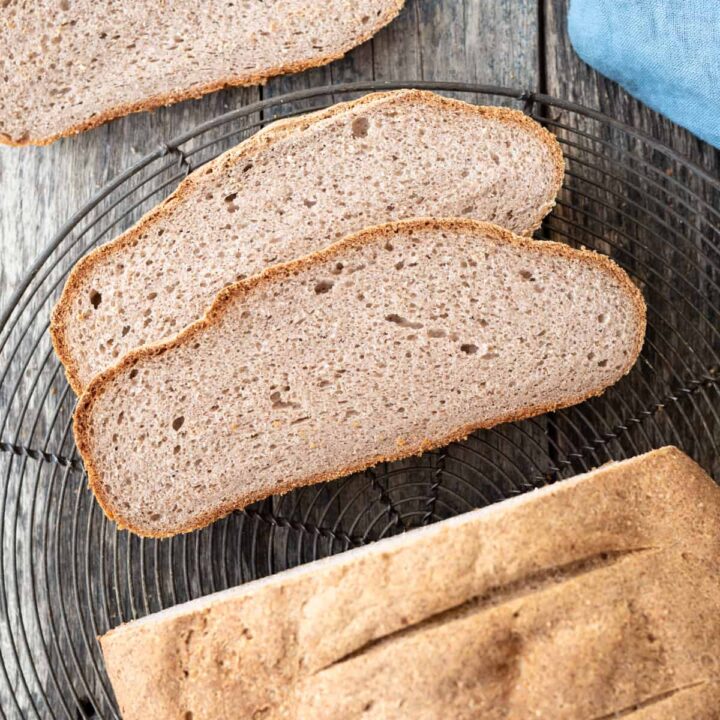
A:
{"points": [[244, 80], [267, 136], [239, 290]]}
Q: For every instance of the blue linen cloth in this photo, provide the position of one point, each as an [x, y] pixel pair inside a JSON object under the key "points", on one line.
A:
{"points": [[665, 52]]}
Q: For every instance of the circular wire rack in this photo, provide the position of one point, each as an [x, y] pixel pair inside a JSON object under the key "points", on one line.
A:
{"points": [[68, 575]]}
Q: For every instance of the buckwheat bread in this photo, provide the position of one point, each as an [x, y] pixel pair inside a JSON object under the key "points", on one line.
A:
{"points": [[293, 190], [393, 341], [72, 65], [596, 598]]}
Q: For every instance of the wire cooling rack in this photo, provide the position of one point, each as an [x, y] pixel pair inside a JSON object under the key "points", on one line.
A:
{"points": [[67, 575]]}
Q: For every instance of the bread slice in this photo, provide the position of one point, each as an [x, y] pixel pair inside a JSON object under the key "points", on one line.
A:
{"points": [[72, 65], [293, 190], [393, 341], [585, 599]]}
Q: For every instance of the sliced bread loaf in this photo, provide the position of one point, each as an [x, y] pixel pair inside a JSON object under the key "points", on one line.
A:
{"points": [[390, 342], [293, 190], [585, 599], [72, 65]]}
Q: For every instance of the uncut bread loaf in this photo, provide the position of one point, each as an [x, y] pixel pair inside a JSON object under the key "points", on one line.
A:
{"points": [[393, 341], [72, 65], [586, 599], [292, 190]]}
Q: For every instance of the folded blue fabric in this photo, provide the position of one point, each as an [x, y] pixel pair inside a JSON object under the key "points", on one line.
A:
{"points": [[665, 52]]}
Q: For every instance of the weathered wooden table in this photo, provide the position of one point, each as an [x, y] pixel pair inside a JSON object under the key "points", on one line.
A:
{"points": [[519, 43]]}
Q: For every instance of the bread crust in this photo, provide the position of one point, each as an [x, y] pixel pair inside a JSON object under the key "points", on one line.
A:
{"points": [[603, 585], [246, 80], [244, 288], [61, 316]]}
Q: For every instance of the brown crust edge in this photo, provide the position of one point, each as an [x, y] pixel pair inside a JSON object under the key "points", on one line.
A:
{"points": [[242, 289], [171, 97], [256, 143]]}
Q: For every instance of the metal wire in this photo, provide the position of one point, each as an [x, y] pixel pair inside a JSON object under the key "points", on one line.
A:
{"points": [[67, 575]]}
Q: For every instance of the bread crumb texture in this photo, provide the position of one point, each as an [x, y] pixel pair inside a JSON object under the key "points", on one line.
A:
{"points": [[595, 598], [390, 342], [292, 190], [70, 65]]}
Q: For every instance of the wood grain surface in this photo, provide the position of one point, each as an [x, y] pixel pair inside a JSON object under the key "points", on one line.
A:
{"points": [[519, 43]]}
